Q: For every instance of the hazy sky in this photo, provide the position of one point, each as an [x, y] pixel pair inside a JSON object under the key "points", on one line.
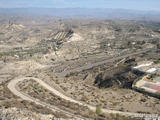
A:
{"points": [[125, 4]]}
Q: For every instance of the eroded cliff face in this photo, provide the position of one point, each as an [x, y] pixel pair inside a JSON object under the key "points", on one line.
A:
{"points": [[121, 76]]}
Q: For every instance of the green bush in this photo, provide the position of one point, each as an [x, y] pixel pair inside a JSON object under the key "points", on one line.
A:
{"points": [[157, 62], [98, 110], [138, 79], [70, 74]]}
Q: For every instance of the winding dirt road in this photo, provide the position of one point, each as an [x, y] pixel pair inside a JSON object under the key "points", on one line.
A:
{"points": [[13, 88]]}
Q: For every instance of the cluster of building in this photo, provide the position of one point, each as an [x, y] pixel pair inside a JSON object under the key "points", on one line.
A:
{"points": [[150, 82]]}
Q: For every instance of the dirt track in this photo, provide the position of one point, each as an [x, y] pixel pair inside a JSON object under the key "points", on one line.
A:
{"points": [[12, 87]]}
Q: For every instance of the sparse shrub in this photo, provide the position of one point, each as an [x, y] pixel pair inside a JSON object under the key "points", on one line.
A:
{"points": [[1, 55], [70, 74], [84, 98], [158, 46], [115, 88], [157, 62], [91, 113], [98, 110], [138, 79], [36, 86], [157, 101], [141, 89]]}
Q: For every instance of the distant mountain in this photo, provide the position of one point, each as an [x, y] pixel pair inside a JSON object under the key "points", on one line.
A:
{"points": [[85, 12]]}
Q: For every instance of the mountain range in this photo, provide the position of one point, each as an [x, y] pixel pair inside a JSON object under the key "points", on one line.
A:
{"points": [[108, 13]]}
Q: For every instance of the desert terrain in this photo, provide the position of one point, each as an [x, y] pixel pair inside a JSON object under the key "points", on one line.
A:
{"points": [[75, 68]]}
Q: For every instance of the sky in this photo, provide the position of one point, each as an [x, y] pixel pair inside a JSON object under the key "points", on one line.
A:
{"points": [[124, 4]]}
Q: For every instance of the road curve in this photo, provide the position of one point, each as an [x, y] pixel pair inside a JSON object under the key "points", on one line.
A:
{"points": [[12, 86], [13, 83]]}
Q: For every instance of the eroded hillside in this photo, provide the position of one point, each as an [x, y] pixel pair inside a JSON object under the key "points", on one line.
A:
{"points": [[74, 67]]}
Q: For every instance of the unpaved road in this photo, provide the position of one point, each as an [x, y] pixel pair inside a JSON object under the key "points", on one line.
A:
{"points": [[13, 83], [12, 86], [14, 89]]}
